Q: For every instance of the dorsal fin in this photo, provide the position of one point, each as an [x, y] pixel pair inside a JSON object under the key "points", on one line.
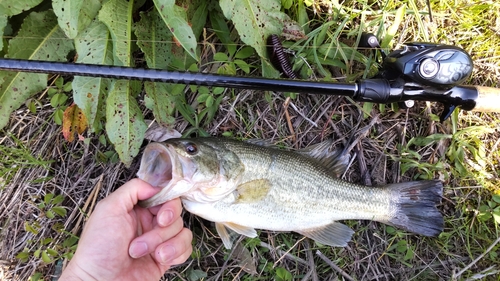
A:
{"points": [[261, 142], [336, 161]]}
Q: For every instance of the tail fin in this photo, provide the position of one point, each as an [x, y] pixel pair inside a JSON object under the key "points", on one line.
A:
{"points": [[415, 207]]}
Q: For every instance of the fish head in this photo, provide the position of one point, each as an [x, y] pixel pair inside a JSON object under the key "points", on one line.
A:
{"points": [[190, 168]]}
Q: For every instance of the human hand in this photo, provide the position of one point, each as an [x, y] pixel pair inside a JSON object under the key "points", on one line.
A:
{"points": [[122, 241]]}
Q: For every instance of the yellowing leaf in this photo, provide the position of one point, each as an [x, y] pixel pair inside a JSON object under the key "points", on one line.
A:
{"points": [[74, 121]]}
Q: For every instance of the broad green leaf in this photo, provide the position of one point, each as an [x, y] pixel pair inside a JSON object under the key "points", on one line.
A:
{"points": [[176, 19], [75, 15], [255, 20], [89, 93], [39, 38], [117, 16], [3, 24], [14, 7], [160, 99], [125, 124], [45, 257], [60, 211], [155, 40]]}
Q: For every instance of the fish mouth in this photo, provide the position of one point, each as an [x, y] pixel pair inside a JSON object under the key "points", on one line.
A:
{"points": [[159, 168]]}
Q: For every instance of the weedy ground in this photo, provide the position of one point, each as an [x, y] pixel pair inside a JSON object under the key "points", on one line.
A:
{"points": [[49, 186]]}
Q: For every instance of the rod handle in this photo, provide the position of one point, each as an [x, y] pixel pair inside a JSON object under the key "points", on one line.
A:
{"points": [[488, 99]]}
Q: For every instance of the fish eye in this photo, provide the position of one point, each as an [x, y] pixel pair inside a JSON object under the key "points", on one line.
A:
{"points": [[191, 148]]}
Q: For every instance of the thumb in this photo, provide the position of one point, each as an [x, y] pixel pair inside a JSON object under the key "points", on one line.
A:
{"points": [[127, 195]]}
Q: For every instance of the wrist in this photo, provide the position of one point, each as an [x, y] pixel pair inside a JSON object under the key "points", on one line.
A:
{"points": [[73, 272]]}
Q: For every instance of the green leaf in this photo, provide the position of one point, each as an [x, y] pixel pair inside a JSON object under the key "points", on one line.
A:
{"points": [[176, 19], [39, 38], [195, 274], [244, 53], [255, 20], [89, 93], [287, 4], [30, 228], [3, 24], [209, 101], [117, 16], [160, 98], [243, 65], [283, 274], [58, 116], [70, 241], [45, 257], [60, 211], [14, 7], [23, 256], [496, 198], [75, 15], [58, 199], [222, 57], [46, 241], [156, 41], [52, 252], [48, 197], [125, 124], [202, 97], [50, 214]]}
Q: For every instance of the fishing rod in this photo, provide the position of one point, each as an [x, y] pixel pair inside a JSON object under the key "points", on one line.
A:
{"points": [[418, 71]]}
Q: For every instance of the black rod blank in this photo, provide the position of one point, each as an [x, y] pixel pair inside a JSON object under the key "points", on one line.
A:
{"points": [[189, 78]]}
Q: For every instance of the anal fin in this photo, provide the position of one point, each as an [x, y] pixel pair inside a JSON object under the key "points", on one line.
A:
{"points": [[334, 234]]}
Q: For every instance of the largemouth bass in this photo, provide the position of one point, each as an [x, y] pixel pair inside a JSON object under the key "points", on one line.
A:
{"points": [[246, 186]]}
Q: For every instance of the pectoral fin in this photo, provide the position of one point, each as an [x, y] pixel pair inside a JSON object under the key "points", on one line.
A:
{"points": [[334, 234], [253, 191], [240, 229]]}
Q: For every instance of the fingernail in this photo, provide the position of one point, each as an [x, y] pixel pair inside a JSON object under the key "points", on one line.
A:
{"points": [[167, 253], [165, 217], [138, 249]]}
